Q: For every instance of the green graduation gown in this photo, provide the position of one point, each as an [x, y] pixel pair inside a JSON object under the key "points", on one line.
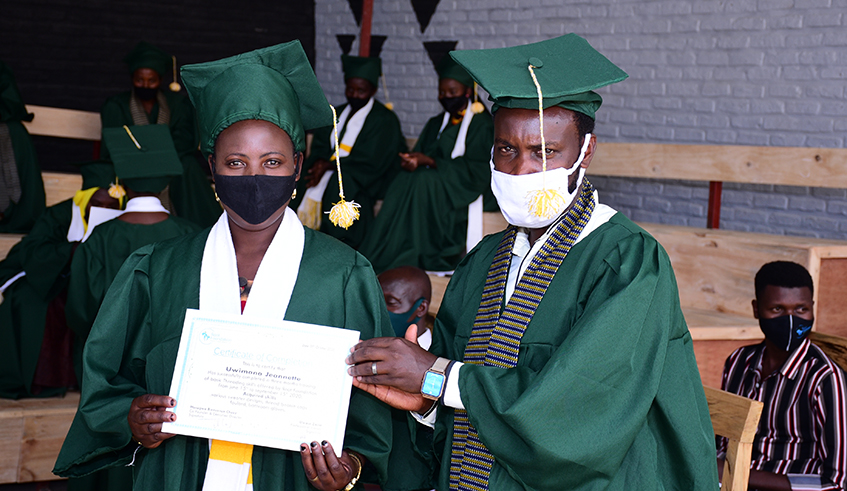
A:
{"points": [[98, 260], [18, 218], [44, 254], [133, 346], [366, 172], [424, 218], [606, 393], [190, 193]]}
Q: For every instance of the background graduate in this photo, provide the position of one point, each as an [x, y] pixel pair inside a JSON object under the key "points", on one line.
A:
{"points": [[259, 261]]}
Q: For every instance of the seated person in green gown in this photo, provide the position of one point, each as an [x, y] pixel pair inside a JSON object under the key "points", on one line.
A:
{"points": [[408, 291], [560, 357], [252, 111], [21, 187], [35, 342], [370, 141], [145, 160], [423, 221], [189, 194]]}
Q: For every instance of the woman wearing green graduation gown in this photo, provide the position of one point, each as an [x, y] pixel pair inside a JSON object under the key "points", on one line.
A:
{"points": [[423, 221], [255, 138], [190, 193], [21, 187]]}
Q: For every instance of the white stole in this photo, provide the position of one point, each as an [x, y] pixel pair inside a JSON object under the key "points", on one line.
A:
{"points": [[459, 146], [269, 298]]}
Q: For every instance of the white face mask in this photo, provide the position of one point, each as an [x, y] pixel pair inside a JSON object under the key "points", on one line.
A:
{"points": [[513, 192]]}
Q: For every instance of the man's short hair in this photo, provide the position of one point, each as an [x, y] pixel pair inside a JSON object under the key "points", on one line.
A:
{"points": [[783, 274]]}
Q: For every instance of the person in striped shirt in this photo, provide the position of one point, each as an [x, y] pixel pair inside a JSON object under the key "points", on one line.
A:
{"points": [[801, 442]]}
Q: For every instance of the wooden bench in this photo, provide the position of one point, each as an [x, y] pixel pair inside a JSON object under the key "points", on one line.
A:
{"points": [[31, 434]]}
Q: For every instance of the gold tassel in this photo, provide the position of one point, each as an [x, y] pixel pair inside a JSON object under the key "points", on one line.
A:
{"points": [[544, 202], [117, 191], [343, 213], [477, 106], [174, 86], [387, 104]]}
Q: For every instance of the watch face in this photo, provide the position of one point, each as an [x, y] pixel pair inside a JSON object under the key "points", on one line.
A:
{"points": [[432, 384]]}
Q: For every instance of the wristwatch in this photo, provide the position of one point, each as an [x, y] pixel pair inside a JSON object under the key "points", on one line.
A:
{"points": [[434, 379]]}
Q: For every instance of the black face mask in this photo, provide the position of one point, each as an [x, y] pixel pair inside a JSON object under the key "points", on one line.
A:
{"points": [[255, 198], [145, 93], [786, 332], [356, 104], [453, 104]]}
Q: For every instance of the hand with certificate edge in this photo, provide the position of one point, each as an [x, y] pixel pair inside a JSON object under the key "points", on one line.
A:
{"points": [[326, 471], [145, 417], [400, 366]]}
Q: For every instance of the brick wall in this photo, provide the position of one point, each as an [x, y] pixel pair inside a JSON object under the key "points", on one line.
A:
{"points": [[67, 53], [746, 72]]}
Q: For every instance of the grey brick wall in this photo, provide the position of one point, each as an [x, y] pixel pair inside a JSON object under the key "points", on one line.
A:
{"points": [[746, 72]]}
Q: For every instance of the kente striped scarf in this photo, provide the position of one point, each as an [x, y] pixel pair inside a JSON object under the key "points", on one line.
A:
{"points": [[496, 336]]}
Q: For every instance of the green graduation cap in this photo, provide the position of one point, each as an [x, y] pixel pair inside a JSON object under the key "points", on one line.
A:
{"points": [[145, 55], [12, 106], [144, 156], [369, 69], [568, 70], [96, 174], [448, 68], [275, 84]]}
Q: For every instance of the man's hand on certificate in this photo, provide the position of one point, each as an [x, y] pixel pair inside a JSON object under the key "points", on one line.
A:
{"points": [[392, 370], [146, 415], [326, 471]]}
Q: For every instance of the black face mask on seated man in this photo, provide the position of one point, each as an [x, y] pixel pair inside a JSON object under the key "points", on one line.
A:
{"points": [[255, 198], [356, 104], [145, 93], [453, 104]]}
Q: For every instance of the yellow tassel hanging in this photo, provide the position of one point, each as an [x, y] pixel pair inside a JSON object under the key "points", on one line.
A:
{"points": [[544, 202], [343, 213], [174, 86], [477, 106], [388, 105], [117, 191]]}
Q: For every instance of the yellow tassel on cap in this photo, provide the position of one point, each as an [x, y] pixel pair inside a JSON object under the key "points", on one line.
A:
{"points": [[174, 86], [477, 106], [343, 213], [544, 202], [388, 105], [117, 191]]}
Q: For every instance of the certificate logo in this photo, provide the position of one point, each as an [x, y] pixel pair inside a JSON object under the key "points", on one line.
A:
{"points": [[207, 336]]}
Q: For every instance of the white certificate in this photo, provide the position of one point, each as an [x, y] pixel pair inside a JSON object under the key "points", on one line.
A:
{"points": [[270, 383]]}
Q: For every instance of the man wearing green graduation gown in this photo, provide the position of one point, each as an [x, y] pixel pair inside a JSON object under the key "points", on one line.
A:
{"points": [[560, 358], [370, 143], [35, 343], [424, 219], [21, 187], [133, 344], [190, 193]]}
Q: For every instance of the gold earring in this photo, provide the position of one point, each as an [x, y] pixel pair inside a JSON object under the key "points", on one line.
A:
{"points": [[294, 194]]}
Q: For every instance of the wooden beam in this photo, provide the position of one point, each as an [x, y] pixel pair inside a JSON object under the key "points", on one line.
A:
{"points": [[64, 123], [365, 34], [788, 166]]}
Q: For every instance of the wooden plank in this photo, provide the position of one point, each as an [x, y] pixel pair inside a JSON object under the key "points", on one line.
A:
{"points": [[733, 416], [790, 166], [7, 241], [11, 435], [831, 289], [59, 186], [715, 268], [439, 285], [64, 123], [835, 347]]}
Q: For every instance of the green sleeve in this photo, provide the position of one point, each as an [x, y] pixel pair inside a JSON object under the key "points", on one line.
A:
{"points": [[375, 158], [100, 436], [45, 251], [87, 287]]}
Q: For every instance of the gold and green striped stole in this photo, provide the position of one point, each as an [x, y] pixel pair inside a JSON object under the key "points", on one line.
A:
{"points": [[496, 336]]}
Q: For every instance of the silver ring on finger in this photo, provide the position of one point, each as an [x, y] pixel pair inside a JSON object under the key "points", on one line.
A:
{"points": [[373, 368]]}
